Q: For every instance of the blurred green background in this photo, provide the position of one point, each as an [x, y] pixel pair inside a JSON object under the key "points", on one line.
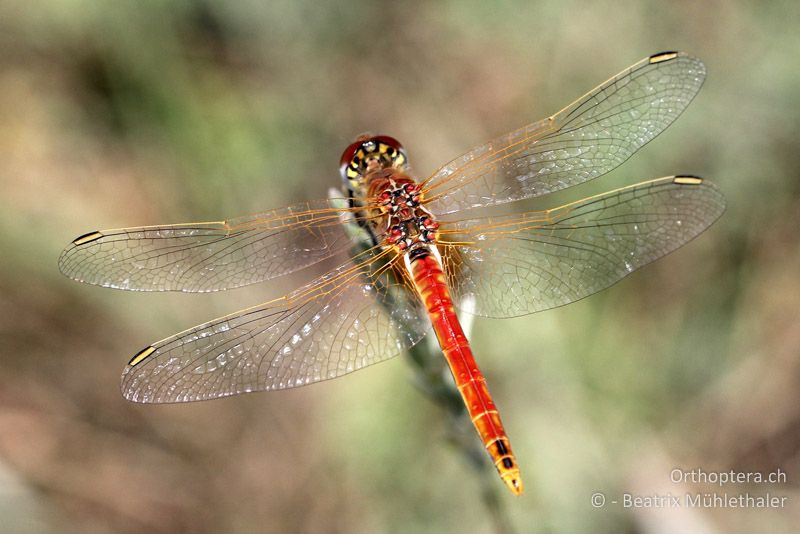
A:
{"points": [[129, 113]]}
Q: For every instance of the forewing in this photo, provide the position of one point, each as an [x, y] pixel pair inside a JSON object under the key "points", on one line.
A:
{"points": [[587, 139], [202, 257], [520, 264], [344, 321]]}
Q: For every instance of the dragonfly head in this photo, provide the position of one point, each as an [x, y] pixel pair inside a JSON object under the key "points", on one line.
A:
{"points": [[369, 153]]}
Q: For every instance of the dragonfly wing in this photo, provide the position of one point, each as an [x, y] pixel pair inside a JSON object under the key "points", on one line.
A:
{"points": [[587, 139], [520, 264], [202, 257], [345, 320]]}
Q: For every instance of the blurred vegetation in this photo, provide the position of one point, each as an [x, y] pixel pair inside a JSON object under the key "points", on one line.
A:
{"points": [[129, 113]]}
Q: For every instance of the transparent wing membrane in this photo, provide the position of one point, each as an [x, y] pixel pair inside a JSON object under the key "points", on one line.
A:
{"points": [[519, 264], [348, 319], [212, 256], [587, 139]]}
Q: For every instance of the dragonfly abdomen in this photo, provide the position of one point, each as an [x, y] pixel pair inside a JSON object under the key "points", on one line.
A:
{"points": [[426, 272]]}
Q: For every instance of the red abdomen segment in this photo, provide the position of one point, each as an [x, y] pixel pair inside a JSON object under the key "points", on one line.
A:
{"points": [[429, 280]]}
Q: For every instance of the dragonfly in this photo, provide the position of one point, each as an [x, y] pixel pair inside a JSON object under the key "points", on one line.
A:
{"points": [[410, 252]]}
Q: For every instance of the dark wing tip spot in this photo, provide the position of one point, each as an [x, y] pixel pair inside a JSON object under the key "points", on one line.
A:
{"points": [[687, 179], [664, 56], [141, 355], [87, 238]]}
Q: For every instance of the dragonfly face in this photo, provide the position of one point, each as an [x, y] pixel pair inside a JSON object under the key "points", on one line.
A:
{"points": [[367, 155], [393, 285]]}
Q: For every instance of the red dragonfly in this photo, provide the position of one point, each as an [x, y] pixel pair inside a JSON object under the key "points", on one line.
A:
{"points": [[409, 252]]}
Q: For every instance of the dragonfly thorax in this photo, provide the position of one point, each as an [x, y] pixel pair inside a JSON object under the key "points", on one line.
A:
{"points": [[408, 223]]}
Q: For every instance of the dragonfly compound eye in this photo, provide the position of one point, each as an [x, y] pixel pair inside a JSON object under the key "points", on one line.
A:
{"points": [[381, 151]]}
